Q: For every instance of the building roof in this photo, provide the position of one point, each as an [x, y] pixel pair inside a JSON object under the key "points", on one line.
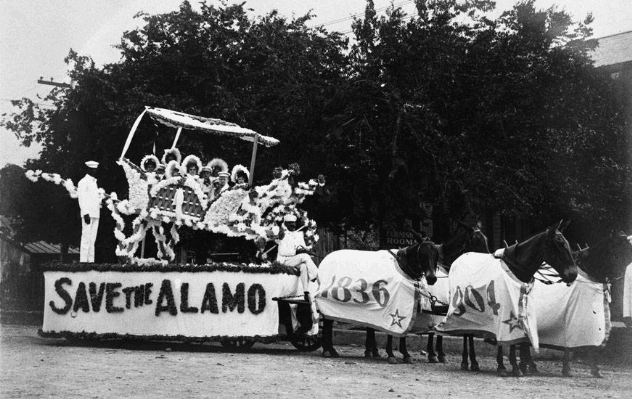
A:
{"points": [[613, 49], [42, 247]]}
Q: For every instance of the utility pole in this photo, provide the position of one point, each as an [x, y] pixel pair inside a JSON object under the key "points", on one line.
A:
{"points": [[51, 83]]}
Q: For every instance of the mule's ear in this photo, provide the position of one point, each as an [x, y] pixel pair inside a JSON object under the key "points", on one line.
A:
{"points": [[465, 226], [418, 236]]}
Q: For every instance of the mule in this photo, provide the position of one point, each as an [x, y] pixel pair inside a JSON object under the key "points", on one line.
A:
{"points": [[415, 262], [521, 262], [605, 261], [466, 239]]}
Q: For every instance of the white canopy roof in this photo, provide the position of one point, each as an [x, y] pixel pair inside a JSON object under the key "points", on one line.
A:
{"points": [[186, 121]]}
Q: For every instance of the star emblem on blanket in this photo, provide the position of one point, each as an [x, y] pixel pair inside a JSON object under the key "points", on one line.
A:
{"points": [[513, 322], [397, 319]]}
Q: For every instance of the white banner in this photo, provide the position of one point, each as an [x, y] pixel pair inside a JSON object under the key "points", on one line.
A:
{"points": [[367, 288], [143, 303], [488, 301], [571, 317]]}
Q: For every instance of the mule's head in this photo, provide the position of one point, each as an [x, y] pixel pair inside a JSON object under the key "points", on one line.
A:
{"points": [[478, 242], [422, 259], [608, 259], [558, 254]]}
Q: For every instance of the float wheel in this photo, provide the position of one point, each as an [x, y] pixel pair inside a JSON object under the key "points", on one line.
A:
{"points": [[237, 343]]}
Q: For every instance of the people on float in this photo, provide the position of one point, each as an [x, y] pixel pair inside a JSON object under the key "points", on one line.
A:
{"points": [[221, 184], [149, 164], [173, 170], [160, 172], [205, 180], [292, 251], [192, 165], [217, 165], [240, 176], [90, 207], [172, 154]]}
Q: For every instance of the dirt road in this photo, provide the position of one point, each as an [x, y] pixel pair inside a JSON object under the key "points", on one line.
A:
{"points": [[32, 366]]}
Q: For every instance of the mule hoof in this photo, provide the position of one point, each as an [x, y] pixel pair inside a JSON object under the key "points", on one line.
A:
{"points": [[502, 373], [516, 372], [475, 367], [596, 374], [533, 369], [330, 353], [464, 366], [367, 354], [408, 360], [523, 369], [392, 360], [376, 354], [441, 358], [432, 359]]}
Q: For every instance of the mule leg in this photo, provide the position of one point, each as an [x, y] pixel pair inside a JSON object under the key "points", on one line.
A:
{"points": [[566, 368], [389, 350], [527, 365], [501, 370], [432, 356], [370, 344], [464, 363], [594, 367], [327, 340], [473, 362], [440, 349], [402, 349], [515, 370]]}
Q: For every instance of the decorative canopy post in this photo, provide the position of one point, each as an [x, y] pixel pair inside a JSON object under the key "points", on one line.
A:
{"points": [[255, 141]]}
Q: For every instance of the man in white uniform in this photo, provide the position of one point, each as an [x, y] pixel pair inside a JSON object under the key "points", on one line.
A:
{"points": [[90, 206], [290, 241]]}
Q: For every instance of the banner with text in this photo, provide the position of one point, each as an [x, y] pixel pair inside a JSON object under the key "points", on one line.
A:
{"points": [[367, 288], [200, 304], [488, 301]]}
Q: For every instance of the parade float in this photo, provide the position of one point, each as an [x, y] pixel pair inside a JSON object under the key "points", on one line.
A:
{"points": [[156, 299]]}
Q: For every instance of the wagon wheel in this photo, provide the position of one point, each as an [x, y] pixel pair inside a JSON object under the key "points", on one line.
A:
{"points": [[237, 343], [306, 343]]}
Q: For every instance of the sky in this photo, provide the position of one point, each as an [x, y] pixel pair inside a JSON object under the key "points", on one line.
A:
{"points": [[36, 35]]}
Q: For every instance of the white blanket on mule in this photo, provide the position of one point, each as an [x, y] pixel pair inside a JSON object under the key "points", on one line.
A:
{"points": [[487, 300], [367, 288], [572, 317]]}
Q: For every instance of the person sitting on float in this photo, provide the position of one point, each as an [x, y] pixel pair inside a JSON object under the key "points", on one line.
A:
{"points": [[173, 170], [148, 164], [160, 172], [293, 252], [205, 179], [217, 165], [172, 154], [192, 165], [240, 176], [221, 184]]}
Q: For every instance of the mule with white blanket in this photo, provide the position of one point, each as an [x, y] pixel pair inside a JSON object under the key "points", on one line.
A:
{"points": [[379, 289], [467, 239], [580, 319], [491, 297]]}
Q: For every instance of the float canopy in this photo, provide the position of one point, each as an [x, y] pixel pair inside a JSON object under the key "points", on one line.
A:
{"points": [[217, 126]]}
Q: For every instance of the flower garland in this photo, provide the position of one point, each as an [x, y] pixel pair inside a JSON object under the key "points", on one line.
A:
{"points": [[157, 266], [138, 184], [34, 176], [168, 338]]}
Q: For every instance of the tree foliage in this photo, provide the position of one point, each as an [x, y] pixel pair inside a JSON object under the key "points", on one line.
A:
{"points": [[445, 106]]}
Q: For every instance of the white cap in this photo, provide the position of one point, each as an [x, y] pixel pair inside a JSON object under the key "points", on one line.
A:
{"points": [[289, 218], [225, 174], [92, 164]]}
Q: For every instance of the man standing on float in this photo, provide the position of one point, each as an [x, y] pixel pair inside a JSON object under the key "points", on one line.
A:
{"points": [[90, 206]]}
